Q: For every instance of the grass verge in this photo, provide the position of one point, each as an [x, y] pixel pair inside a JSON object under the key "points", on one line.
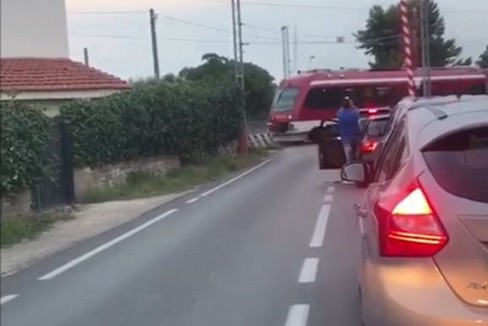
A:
{"points": [[17, 228], [141, 185]]}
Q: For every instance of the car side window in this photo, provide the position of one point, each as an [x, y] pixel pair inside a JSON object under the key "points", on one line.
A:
{"points": [[392, 155]]}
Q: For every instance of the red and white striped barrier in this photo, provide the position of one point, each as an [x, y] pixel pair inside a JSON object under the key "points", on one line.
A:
{"points": [[408, 62], [260, 140]]}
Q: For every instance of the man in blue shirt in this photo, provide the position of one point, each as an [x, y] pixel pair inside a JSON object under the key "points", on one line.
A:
{"points": [[348, 123]]}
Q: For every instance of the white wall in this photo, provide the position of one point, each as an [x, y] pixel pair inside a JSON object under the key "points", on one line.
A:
{"points": [[33, 28]]}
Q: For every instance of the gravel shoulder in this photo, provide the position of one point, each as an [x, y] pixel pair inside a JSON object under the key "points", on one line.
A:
{"points": [[89, 221]]}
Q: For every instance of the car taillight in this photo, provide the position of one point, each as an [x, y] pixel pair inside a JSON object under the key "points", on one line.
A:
{"points": [[372, 111], [368, 146], [411, 228]]}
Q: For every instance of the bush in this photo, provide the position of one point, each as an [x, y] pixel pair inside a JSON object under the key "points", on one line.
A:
{"points": [[161, 118], [24, 141]]}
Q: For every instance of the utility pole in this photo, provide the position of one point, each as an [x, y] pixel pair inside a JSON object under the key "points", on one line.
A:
{"points": [[86, 58], [295, 50], [285, 41], [241, 49], [415, 37], [234, 37], [153, 17], [241, 81], [425, 39]]}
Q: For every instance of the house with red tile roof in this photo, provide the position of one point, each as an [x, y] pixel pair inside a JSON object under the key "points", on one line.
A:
{"points": [[34, 59]]}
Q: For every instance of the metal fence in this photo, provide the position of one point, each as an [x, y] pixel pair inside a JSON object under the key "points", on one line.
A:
{"points": [[58, 188]]}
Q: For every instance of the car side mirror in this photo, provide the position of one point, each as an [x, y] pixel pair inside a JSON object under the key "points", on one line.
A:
{"points": [[356, 171]]}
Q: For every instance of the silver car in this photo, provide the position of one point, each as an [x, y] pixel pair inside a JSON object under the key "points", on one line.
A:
{"points": [[424, 219]]}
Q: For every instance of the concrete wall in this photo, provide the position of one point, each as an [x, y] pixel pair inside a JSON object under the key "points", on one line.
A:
{"points": [[88, 179], [33, 28]]}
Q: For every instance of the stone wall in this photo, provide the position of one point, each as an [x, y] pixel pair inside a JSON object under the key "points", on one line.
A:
{"points": [[88, 179], [229, 149], [19, 204]]}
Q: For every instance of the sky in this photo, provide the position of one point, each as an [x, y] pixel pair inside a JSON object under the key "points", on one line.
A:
{"points": [[117, 32]]}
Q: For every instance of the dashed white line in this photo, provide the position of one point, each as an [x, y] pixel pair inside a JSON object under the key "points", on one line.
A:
{"points": [[297, 315], [320, 227], [330, 189], [309, 270], [103, 247], [7, 298], [190, 201], [328, 198], [211, 191]]}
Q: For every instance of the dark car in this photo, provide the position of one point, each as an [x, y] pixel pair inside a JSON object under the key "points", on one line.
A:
{"points": [[423, 220], [373, 125], [374, 129]]}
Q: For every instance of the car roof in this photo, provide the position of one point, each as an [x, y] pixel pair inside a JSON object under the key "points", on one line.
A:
{"points": [[433, 119]]}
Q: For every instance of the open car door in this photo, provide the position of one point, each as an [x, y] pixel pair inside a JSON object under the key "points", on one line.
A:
{"points": [[330, 150]]}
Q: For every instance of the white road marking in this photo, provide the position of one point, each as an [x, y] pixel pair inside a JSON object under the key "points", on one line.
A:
{"points": [[331, 189], [192, 200], [211, 191], [328, 198], [309, 270], [7, 298], [320, 227], [103, 247], [297, 315]]}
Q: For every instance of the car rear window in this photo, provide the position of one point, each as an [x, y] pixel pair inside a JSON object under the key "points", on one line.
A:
{"points": [[459, 163], [285, 99], [377, 127]]}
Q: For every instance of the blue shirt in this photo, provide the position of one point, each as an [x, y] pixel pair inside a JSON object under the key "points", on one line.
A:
{"points": [[349, 124]]}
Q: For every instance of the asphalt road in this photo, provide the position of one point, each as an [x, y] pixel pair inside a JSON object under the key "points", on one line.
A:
{"points": [[276, 246]]}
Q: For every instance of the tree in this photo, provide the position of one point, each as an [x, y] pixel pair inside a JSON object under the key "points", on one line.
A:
{"points": [[382, 37], [483, 59], [219, 70]]}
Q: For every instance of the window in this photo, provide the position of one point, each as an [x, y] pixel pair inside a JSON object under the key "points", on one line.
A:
{"points": [[459, 163], [377, 127], [364, 96], [324, 98], [392, 156], [285, 99]]}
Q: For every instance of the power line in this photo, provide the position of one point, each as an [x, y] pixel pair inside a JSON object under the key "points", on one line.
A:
{"points": [[126, 37], [277, 5], [285, 5], [209, 27], [107, 13], [187, 22]]}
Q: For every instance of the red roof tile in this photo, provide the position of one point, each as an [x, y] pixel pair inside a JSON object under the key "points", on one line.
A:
{"points": [[54, 75]]}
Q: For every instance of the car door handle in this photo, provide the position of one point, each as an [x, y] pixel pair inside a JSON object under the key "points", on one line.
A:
{"points": [[361, 212]]}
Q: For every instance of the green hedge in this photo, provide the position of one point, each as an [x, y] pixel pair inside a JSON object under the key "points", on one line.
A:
{"points": [[187, 119], [25, 135]]}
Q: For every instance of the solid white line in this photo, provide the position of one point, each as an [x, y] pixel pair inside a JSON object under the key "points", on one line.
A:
{"points": [[103, 247], [328, 198], [192, 200], [309, 270], [7, 298], [297, 315], [330, 189], [320, 227], [211, 191]]}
